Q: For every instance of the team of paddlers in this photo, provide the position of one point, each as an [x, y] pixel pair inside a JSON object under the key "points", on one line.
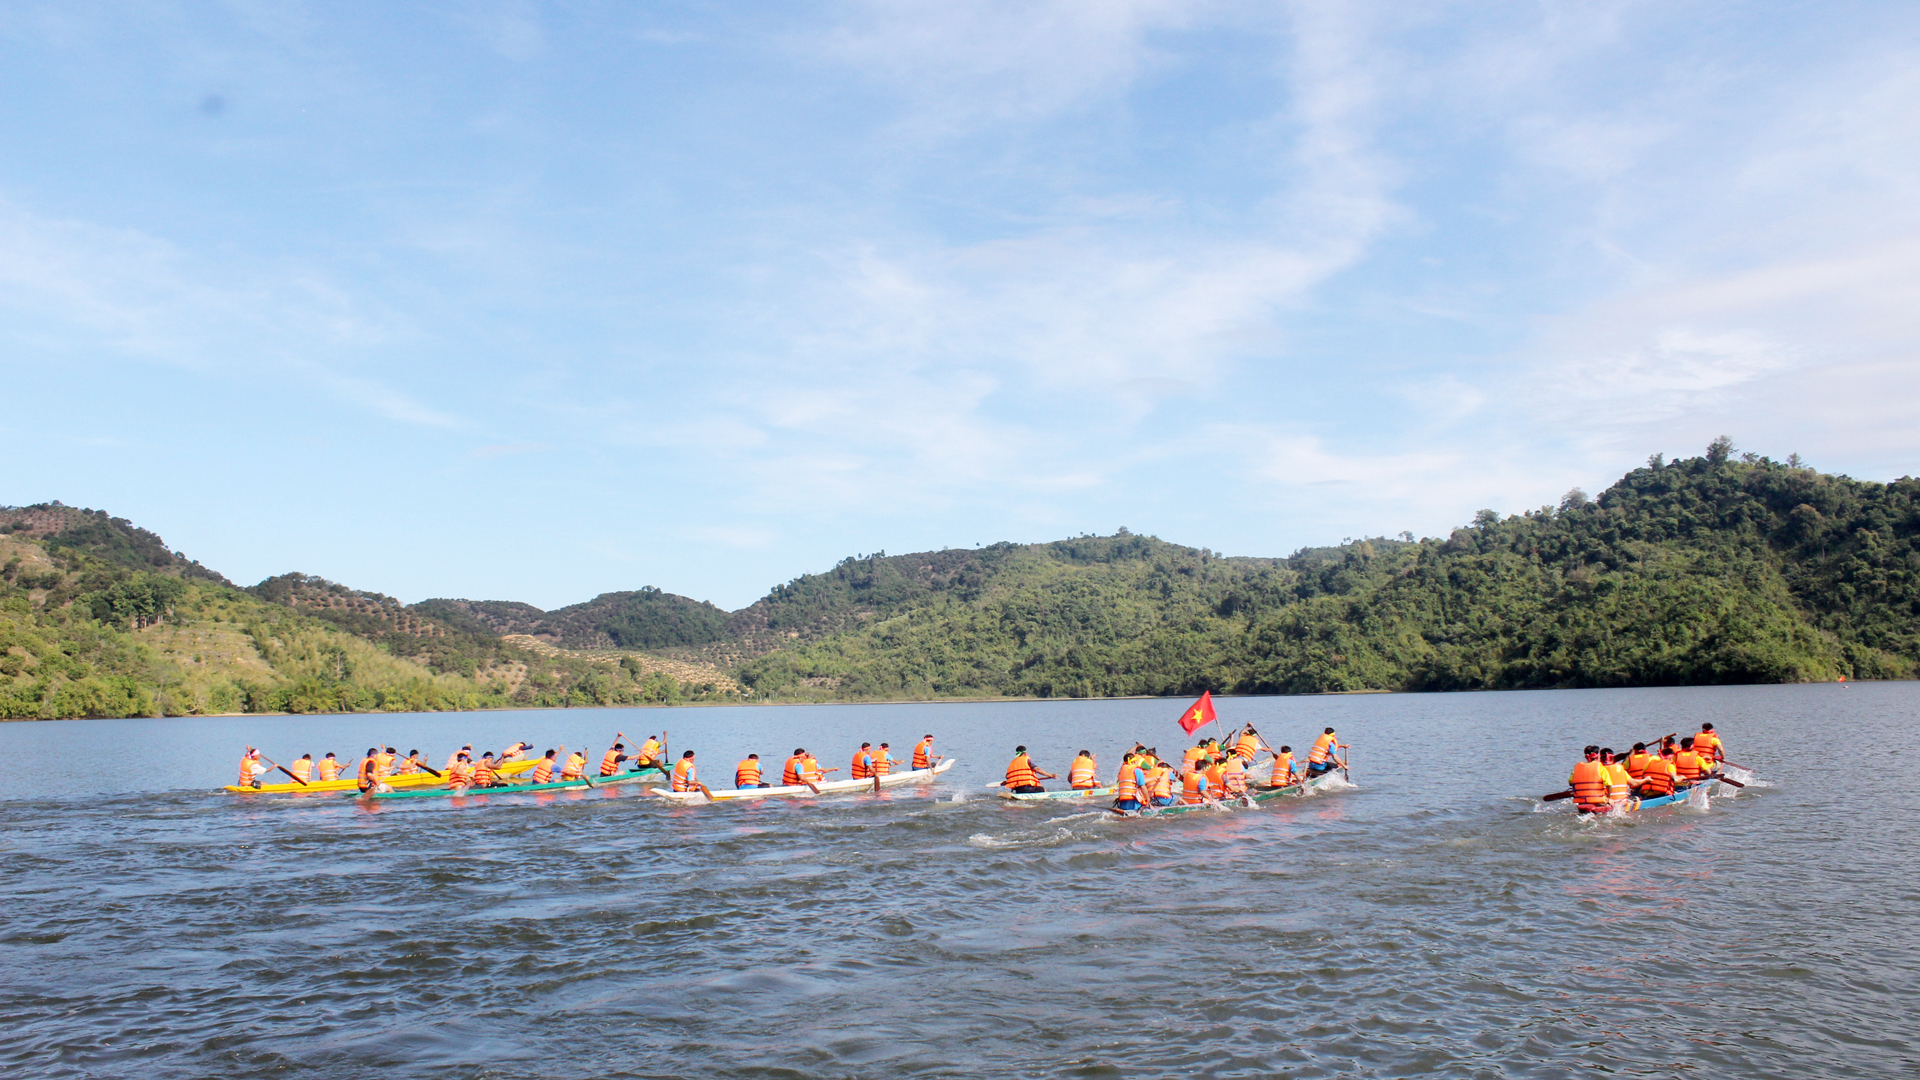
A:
{"points": [[1606, 781], [373, 772], [1208, 771]]}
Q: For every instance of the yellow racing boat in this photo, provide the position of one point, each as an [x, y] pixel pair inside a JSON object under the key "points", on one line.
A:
{"points": [[348, 783]]}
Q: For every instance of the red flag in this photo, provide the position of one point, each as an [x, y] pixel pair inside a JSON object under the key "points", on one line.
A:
{"points": [[1200, 712]]}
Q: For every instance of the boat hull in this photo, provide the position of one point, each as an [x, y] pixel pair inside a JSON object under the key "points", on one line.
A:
{"points": [[1041, 796], [829, 787], [1635, 806]]}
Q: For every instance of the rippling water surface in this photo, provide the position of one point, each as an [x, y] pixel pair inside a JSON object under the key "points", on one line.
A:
{"points": [[1432, 919]]}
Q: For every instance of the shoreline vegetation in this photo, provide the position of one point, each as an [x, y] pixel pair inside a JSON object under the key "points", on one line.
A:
{"points": [[1717, 569]]}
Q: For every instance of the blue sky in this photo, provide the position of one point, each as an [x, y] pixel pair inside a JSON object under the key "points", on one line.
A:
{"points": [[535, 301]]}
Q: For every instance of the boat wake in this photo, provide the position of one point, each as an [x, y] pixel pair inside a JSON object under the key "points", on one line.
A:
{"points": [[982, 840]]}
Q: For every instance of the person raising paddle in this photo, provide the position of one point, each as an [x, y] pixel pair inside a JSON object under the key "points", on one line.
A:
{"points": [[1321, 758]]}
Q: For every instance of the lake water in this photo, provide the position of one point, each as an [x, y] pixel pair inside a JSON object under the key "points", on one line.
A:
{"points": [[1434, 919]]}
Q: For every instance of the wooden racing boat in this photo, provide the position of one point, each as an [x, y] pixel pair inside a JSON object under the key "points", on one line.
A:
{"points": [[1251, 798], [1705, 787], [352, 783], [519, 789], [827, 787], [1036, 796]]}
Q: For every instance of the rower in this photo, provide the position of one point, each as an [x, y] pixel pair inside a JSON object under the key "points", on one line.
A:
{"points": [[1282, 768], [795, 769], [1194, 786], [650, 754], [409, 765], [576, 766], [810, 769], [1619, 784], [1023, 776], [923, 753], [1589, 782], [1689, 765], [303, 768], [1638, 761], [372, 775], [1129, 786], [1193, 753], [747, 773], [455, 756], [329, 767], [1659, 779], [1707, 745], [517, 751], [543, 772], [1159, 783], [1217, 773], [863, 762], [387, 758], [460, 770], [882, 761], [685, 777], [610, 761], [1247, 746], [251, 768], [1083, 774], [483, 772], [1233, 776], [1320, 759]]}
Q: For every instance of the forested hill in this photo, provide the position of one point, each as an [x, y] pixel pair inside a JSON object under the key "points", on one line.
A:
{"points": [[1707, 570], [1714, 569]]}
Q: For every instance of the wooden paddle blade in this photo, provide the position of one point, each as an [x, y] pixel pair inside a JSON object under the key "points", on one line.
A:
{"points": [[1730, 783], [1556, 796]]}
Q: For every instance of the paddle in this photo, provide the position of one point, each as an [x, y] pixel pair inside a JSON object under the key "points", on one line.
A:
{"points": [[1557, 796], [704, 790], [281, 767], [1724, 780]]}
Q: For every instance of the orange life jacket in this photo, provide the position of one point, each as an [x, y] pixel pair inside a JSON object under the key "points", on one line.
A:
{"points": [[1689, 765], [1233, 778], [1589, 782], [794, 770], [882, 764], [923, 754], [1160, 782], [650, 751], [747, 773], [369, 773], [1127, 784], [329, 768], [1216, 775], [1193, 754], [1637, 763], [1282, 769], [1657, 781], [610, 763], [1707, 744], [543, 772], [862, 765], [247, 773], [684, 776], [1193, 787], [1248, 746], [1020, 772], [483, 773], [1081, 775], [1322, 749], [302, 768], [575, 768], [460, 772]]}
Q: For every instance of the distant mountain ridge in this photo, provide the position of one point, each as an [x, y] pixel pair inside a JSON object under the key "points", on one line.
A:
{"points": [[1713, 569]]}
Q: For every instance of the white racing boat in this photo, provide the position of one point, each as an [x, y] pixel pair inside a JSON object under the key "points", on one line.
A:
{"points": [[827, 787], [1036, 796]]}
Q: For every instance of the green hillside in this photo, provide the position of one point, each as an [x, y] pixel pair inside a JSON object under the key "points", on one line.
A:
{"points": [[100, 619], [1708, 570]]}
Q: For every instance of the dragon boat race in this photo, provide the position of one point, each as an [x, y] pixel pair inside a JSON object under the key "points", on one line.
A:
{"points": [[1423, 914]]}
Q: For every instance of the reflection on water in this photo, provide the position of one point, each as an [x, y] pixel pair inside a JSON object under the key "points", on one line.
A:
{"points": [[1431, 919]]}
